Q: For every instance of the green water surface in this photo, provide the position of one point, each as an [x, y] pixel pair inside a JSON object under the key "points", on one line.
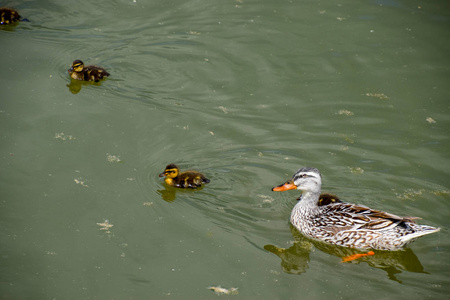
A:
{"points": [[247, 92]]}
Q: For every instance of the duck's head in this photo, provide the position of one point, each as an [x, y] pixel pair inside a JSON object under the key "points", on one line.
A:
{"points": [[77, 66], [171, 171], [306, 179]]}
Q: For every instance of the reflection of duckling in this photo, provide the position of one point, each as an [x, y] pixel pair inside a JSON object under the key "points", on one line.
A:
{"points": [[188, 179], [8, 15], [90, 73]]}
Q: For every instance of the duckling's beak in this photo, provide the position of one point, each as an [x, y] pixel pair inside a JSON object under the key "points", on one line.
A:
{"points": [[288, 185], [162, 174], [70, 70]]}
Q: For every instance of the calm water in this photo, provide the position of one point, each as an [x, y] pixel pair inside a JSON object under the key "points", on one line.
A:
{"points": [[247, 92]]}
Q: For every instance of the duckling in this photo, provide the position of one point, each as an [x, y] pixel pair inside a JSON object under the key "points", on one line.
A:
{"points": [[187, 179], [325, 199], [8, 15], [90, 73]]}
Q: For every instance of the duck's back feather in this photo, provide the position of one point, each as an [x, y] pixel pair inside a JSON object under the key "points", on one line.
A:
{"points": [[359, 226]]}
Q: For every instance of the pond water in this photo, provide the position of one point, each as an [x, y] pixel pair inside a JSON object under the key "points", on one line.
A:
{"points": [[246, 92]]}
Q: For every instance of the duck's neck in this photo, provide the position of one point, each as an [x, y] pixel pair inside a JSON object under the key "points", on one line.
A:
{"points": [[309, 200], [305, 209]]}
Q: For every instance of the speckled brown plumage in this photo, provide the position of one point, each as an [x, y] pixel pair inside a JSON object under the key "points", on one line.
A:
{"points": [[345, 224]]}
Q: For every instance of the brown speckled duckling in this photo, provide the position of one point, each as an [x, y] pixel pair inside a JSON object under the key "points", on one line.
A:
{"points": [[8, 16], [90, 73], [187, 179]]}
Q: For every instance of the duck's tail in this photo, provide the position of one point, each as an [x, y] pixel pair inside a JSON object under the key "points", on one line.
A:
{"points": [[419, 230]]}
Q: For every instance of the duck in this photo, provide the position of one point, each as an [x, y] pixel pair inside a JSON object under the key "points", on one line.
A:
{"points": [[90, 73], [8, 16], [187, 179], [345, 224]]}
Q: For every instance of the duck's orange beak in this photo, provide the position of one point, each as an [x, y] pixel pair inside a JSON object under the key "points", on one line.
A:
{"points": [[162, 174], [288, 185]]}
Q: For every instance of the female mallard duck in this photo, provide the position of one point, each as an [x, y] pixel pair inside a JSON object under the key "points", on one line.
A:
{"points": [[346, 224], [8, 16], [90, 73], [188, 179]]}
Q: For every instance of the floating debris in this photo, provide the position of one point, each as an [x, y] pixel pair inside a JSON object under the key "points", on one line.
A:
{"points": [[430, 120], [345, 112], [223, 291], [356, 170], [112, 158], [347, 138], [80, 182], [224, 109], [441, 193], [64, 137], [409, 194], [147, 203], [266, 199], [105, 226], [377, 95]]}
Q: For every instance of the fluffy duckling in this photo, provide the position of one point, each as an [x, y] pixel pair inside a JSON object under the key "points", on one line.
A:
{"points": [[187, 179], [90, 73], [325, 199], [8, 16]]}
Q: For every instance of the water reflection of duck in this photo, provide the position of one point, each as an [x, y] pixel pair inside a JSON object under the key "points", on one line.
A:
{"points": [[187, 179], [346, 224], [76, 85], [90, 73], [295, 259], [8, 16]]}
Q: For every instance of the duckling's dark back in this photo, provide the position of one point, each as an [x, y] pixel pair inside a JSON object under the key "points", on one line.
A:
{"points": [[191, 179], [94, 73], [8, 16]]}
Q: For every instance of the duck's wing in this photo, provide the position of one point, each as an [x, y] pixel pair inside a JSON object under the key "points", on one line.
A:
{"points": [[353, 216]]}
